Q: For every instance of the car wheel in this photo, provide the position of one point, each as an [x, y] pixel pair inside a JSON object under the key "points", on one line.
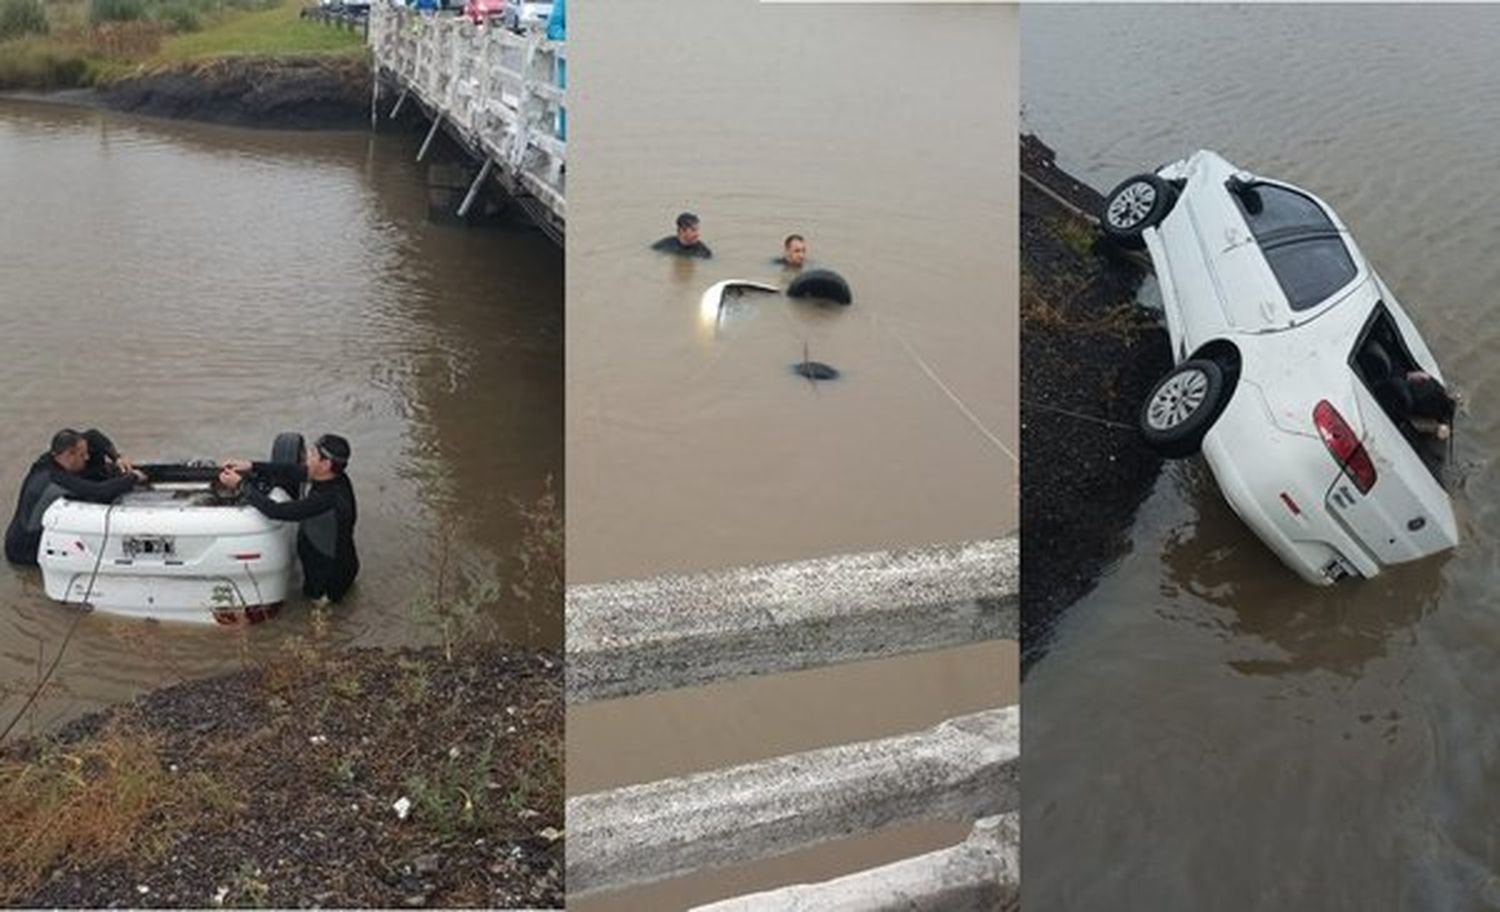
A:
{"points": [[289, 447], [1136, 204], [1182, 407]]}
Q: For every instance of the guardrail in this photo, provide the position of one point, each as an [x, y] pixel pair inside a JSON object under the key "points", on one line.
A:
{"points": [[497, 92], [354, 20], [673, 631]]}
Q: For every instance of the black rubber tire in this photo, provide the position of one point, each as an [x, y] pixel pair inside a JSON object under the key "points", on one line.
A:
{"points": [[1125, 228], [1165, 429], [820, 283], [289, 447]]}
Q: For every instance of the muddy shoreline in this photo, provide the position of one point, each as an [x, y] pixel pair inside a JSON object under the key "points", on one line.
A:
{"points": [[1089, 356], [278, 786], [284, 93]]}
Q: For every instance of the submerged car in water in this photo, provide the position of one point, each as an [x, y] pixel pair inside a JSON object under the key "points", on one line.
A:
{"points": [[1282, 334], [178, 548]]}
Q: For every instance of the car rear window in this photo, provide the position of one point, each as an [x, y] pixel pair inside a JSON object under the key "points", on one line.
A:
{"points": [[1311, 269]]}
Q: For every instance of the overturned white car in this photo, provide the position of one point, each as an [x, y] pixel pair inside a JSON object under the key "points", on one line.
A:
{"points": [[1282, 335], [178, 548]]}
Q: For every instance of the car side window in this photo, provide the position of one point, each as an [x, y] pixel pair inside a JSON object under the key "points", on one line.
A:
{"points": [[1299, 240], [1271, 210], [1311, 269]]}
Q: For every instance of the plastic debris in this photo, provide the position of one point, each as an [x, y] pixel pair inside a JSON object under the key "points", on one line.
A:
{"points": [[402, 807]]}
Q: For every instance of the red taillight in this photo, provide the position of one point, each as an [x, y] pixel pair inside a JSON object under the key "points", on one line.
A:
{"points": [[1345, 447]]}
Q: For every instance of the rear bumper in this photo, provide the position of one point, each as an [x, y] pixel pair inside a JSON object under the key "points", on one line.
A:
{"points": [[1309, 541], [191, 599]]}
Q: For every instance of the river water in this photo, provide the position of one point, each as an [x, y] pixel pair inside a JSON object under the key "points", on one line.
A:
{"points": [[195, 289], [1206, 731], [884, 134]]}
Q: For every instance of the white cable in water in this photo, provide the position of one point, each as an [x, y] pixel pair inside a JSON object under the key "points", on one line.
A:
{"points": [[98, 558], [938, 382]]}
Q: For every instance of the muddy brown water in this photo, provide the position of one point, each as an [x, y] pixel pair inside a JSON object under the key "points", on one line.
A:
{"points": [[195, 289], [884, 134], [1206, 731]]}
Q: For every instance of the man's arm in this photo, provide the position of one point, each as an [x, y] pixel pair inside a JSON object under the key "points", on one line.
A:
{"points": [[80, 488], [282, 472], [293, 510]]}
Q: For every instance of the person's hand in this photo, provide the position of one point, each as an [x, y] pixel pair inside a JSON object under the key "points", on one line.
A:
{"points": [[1443, 432], [125, 464], [237, 465], [230, 479], [140, 477]]}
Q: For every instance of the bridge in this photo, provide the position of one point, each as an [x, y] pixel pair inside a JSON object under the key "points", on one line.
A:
{"points": [[496, 93], [648, 635]]}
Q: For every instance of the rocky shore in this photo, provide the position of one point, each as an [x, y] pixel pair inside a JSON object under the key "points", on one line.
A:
{"points": [[1089, 356], [281, 92], [286, 93], [369, 778]]}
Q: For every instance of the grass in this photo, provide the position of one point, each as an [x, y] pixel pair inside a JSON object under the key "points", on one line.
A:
{"points": [[272, 32], [102, 799], [88, 42]]}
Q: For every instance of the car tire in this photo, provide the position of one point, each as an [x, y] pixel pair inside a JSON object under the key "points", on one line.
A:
{"points": [[1138, 203], [1182, 406], [821, 283], [289, 447]]}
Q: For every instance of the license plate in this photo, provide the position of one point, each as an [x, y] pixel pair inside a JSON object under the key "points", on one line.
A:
{"points": [[143, 546]]}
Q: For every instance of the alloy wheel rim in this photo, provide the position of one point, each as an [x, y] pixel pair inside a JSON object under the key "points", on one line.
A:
{"points": [[1177, 400], [1131, 205]]}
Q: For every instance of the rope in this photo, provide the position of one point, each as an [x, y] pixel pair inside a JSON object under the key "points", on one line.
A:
{"points": [[952, 396], [1119, 425], [68, 637]]}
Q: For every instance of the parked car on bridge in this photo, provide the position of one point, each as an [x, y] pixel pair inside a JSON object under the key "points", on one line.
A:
{"points": [[526, 15], [516, 15], [1282, 333], [480, 12]]}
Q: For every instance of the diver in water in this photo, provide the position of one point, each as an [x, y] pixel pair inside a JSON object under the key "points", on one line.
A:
{"points": [[59, 472], [686, 242], [793, 252], [105, 461], [325, 515]]}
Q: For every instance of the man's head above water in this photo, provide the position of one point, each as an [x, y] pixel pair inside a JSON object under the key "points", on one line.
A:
{"points": [[70, 450], [687, 229], [794, 250], [327, 457]]}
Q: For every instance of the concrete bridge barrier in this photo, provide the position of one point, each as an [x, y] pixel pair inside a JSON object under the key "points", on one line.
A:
{"points": [[960, 769], [981, 874], [675, 631]]}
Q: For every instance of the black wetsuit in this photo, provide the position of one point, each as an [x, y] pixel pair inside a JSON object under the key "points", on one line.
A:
{"points": [[325, 527], [46, 482], [670, 244], [102, 456]]}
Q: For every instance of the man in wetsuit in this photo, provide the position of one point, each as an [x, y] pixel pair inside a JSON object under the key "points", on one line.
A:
{"points": [[686, 241], [325, 515], [105, 461], [793, 252], [58, 473]]}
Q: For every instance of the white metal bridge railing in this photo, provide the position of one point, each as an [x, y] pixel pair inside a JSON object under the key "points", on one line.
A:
{"points": [[499, 92]]}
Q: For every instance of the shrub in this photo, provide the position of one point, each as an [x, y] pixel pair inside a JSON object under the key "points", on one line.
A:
{"points": [[116, 11], [27, 66], [180, 17], [22, 17]]}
